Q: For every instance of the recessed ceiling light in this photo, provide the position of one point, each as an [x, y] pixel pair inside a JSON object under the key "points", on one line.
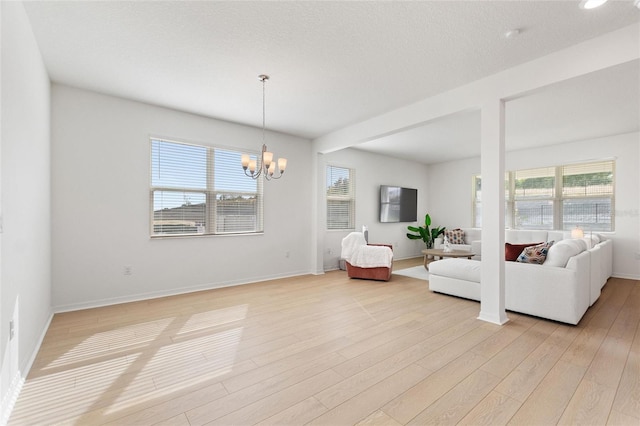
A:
{"points": [[591, 4], [637, 3]]}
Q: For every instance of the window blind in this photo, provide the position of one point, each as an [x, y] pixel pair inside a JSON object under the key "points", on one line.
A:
{"points": [[587, 180], [340, 198], [534, 183]]}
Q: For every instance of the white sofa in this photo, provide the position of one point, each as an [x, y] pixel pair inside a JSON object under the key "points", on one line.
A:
{"points": [[473, 238], [562, 293]]}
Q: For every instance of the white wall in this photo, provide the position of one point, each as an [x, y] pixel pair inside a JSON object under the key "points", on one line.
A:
{"points": [[450, 188], [372, 171], [25, 261], [100, 170], [450, 192]]}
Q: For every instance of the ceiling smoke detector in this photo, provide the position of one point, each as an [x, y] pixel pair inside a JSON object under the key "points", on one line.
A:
{"points": [[592, 4], [514, 33]]}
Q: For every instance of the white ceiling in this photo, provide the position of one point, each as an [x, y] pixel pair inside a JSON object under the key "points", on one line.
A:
{"points": [[333, 64], [599, 104]]}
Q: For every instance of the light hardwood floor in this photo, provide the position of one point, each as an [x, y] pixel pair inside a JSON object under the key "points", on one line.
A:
{"points": [[333, 351]]}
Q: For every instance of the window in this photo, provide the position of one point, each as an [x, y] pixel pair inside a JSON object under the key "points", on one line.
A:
{"points": [[560, 197], [340, 198], [587, 196], [198, 190], [533, 197]]}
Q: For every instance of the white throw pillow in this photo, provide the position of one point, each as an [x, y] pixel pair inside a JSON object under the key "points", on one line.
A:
{"points": [[560, 253], [596, 238]]}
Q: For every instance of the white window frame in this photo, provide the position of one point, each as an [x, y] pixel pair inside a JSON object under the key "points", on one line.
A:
{"points": [[349, 198], [211, 194]]}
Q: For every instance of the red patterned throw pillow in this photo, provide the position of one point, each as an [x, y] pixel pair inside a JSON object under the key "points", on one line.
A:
{"points": [[535, 254], [512, 251]]}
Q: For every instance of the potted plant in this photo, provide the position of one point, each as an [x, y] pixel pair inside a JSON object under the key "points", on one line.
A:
{"points": [[425, 233]]}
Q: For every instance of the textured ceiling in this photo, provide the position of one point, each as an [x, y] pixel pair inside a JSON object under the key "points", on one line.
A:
{"points": [[331, 64], [596, 105]]}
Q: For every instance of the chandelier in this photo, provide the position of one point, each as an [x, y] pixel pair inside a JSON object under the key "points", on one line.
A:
{"points": [[265, 164]]}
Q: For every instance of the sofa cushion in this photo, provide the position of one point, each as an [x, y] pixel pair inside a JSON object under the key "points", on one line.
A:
{"points": [[461, 247], [462, 269], [535, 254], [512, 251], [519, 236], [560, 253], [372, 257], [455, 236]]}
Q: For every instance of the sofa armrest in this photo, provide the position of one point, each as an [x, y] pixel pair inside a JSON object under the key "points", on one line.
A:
{"points": [[476, 247], [596, 273], [553, 292]]}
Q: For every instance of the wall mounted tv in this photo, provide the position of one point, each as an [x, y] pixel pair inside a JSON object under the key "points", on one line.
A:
{"points": [[398, 204]]}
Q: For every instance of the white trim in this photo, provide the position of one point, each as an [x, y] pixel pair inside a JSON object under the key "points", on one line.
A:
{"points": [[626, 276], [27, 367], [165, 293], [494, 319]]}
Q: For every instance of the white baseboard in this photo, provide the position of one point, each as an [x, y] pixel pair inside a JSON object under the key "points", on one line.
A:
{"points": [[11, 397], [27, 367], [626, 276], [165, 293]]}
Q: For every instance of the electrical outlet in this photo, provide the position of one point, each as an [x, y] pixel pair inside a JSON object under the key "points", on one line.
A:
{"points": [[12, 330], [127, 270]]}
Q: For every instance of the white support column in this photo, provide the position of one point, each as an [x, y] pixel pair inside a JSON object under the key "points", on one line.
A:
{"points": [[318, 207], [492, 172]]}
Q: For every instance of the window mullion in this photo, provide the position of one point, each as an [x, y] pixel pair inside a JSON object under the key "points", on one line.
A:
{"points": [[558, 208], [211, 196], [511, 202]]}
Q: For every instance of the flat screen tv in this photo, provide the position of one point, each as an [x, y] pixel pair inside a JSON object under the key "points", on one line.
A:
{"points": [[398, 204]]}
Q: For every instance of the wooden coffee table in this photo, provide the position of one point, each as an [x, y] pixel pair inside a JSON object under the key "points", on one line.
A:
{"points": [[431, 254]]}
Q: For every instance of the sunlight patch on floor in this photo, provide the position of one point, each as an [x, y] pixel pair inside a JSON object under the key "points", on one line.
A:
{"points": [[114, 370]]}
